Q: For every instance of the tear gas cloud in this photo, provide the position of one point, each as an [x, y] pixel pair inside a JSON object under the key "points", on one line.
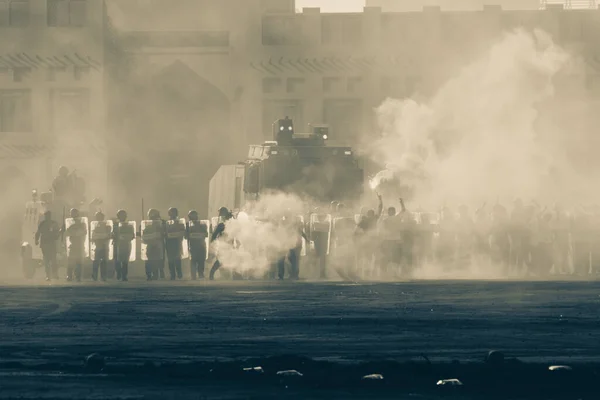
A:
{"points": [[262, 236], [478, 138]]}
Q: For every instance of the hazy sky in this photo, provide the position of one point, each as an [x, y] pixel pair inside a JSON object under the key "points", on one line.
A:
{"points": [[333, 5]]}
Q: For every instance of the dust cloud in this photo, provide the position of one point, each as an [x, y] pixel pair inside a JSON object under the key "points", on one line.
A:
{"points": [[478, 137]]}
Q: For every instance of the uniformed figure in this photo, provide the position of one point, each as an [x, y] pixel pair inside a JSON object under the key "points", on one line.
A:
{"points": [[153, 239], [61, 186], [224, 216], [124, 236], [100, 238], [296, 252], [197, 234], [175, 234], [46, 237], [76, 233]]}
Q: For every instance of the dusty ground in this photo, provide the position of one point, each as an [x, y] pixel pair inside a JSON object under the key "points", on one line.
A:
{"points": [[46, 328]]}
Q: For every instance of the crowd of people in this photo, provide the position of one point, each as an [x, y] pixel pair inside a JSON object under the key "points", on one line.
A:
{"points": [[525, 240]]}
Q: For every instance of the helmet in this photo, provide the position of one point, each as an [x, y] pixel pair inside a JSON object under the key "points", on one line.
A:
{"points": [[74, 213], [62, 171], [99, 216], [223, 212], [173, 212], [153, 213], [193, 215], [122, 215]]}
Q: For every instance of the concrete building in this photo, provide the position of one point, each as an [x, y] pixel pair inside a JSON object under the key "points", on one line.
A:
{"points": [[51, 92], [451, 5], [210, 77]]}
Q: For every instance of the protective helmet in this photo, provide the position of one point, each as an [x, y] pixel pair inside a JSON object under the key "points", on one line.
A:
{"points": [[62, 171], [193, 215], [99, 216], [122, 215], [173, 212], [74, 213], [153, 213], [223, 212]]}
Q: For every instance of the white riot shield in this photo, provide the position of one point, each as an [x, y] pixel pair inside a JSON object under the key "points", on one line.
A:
{"points": [[173, 233], [31, 222], [205, 234], [149, 233], [343, 228], [125, 237], [101, 230], [78, 229], [321, 223], [300, 220]]}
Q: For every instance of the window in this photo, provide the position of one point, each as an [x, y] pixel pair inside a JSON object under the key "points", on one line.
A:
{"points": [[281, 31], [354, 84], [81, 72], [346, 30], [67, 12], [295, 85], [271, 85], [14, 12], [15, 111], [20, 74], [52, 72], [70, 109], [331, 85]]}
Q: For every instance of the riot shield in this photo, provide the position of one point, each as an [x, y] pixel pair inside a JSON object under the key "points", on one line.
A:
{"points": [[125, 231], [176, 230], [77, 237], [300, 221], [343, 228], [202, 234], [321, 224], [101, 231], [151, 233], [31, 222]]}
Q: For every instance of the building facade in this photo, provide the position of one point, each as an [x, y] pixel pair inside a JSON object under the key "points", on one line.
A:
{"points": [[211, 77], [453, 5], [51, 92]]}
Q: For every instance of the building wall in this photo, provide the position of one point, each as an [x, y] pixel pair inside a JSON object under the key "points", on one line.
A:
{"points": [[452, 5], [269, 62], [51, 83]]}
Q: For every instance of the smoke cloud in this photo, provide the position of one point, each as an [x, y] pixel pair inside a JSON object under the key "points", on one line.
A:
{"points": [[477, 137], [263, 233]]}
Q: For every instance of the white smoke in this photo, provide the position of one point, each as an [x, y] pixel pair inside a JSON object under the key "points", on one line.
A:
{"points": [[263, 233], [476, 137]]}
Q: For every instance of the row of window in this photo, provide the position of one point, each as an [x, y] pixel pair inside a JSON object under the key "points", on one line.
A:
{"points": [[16, 13], [69, 110], [349, 30], [297, 85], [387, 84], [51, 74]]}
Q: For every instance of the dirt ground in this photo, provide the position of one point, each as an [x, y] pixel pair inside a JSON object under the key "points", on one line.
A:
{"points": [[135, 323]]}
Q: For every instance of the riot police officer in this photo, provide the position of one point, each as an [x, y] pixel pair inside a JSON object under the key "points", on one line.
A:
{"points": [[175, 234], [76, 232], [224, 216], [124, 234], [46, 237], [197, 234], [101, 235], [153, 239]]}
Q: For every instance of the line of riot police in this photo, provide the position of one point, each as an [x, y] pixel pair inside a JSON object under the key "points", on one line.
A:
{"points": [[528, 240]]}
